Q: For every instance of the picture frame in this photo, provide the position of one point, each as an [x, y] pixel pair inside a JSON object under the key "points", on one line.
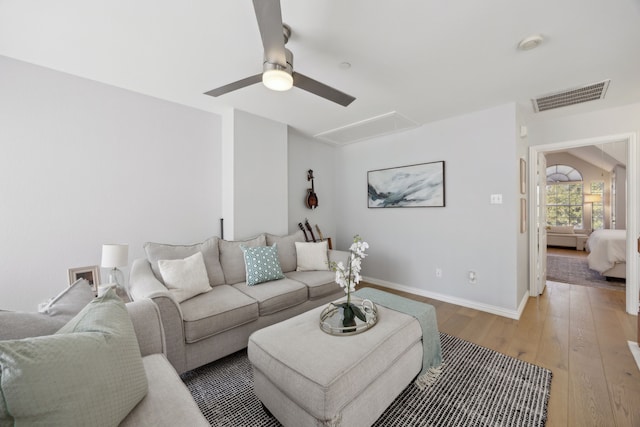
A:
{"points": [[90, 273], [412, 186], [523, 176], [523, 215]]}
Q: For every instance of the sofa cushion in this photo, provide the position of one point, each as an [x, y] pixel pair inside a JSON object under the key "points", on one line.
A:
{"points": [[276, 295], [89, 373], [312, 256], [232, 258], [216, 311], [320, 283], [166, 390], [185, 278], [52, 317], [286, 249], [261, 264], [70, 301], [210, 253], [561, 229]]}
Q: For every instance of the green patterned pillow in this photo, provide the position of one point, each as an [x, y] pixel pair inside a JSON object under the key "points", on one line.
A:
{"points": [[262, 264], [89, 373]]}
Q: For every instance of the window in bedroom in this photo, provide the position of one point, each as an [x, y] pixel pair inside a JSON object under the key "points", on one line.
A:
{"points": [[564, 196], [597, 210]]}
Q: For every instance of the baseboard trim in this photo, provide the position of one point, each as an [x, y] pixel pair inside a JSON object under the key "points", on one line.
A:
{"points": [[500, 311]]}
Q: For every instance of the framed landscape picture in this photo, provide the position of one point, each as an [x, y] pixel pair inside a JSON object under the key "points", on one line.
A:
{"points": [[413, 186]]}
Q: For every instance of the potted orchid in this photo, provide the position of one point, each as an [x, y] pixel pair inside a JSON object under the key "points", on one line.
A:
{"points": [[348, 277]]}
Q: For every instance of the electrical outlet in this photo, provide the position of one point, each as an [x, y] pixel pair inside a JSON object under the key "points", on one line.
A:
{"points": [[473, 277], [438, 272]]}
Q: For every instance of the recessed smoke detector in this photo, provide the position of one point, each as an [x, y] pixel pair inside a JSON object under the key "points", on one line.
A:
{"points": [[530, 42], [577, 95]]}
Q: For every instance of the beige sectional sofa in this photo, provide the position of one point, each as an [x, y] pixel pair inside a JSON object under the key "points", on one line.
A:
{"points": [[218, 322], [166, 402]]}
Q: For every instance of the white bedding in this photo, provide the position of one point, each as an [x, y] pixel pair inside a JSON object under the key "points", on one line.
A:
{"points": [[606, 248]]}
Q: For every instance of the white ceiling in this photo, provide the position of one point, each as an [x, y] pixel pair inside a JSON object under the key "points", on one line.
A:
{"points": [[424, 59]]}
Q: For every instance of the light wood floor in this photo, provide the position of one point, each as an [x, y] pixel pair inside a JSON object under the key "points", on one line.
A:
{"points": [[580, 334], [567, 252]]}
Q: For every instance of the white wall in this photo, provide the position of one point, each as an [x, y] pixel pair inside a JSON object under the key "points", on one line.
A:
{"points": [[611, 121], [308, 153], [84, 164], [468, 234], [257, 177]]}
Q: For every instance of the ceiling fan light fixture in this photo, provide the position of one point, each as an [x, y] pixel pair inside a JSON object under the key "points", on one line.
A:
{"points": [[278, 80]]}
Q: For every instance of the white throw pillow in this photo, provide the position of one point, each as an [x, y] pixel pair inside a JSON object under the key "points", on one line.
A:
{"points": [[185, 278], [312, 256]]}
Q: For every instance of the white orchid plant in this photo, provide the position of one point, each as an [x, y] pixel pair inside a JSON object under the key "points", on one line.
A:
{"points": [[349, 276]]}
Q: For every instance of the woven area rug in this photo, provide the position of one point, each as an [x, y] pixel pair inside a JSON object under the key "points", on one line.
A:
{"points": [[576, 271], [478, 387]]}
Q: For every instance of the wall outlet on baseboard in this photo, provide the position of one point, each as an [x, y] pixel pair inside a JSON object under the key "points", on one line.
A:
{"points": [[438, 272]]}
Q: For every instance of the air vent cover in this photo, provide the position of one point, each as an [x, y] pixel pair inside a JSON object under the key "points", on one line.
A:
{"points": [[369, 128], [573, 96]]}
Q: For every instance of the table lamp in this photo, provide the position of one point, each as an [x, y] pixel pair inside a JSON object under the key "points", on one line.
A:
{"points": [[114, 256]]}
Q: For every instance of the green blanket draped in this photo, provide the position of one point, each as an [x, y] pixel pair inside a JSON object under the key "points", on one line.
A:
{"points": [[426, 316]]}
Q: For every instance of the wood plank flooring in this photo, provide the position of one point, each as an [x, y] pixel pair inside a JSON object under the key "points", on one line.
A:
{"points": [[579, 333]]}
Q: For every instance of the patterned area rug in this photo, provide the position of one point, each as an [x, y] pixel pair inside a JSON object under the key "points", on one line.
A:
{"points": [[478, 387], [576, 271]]}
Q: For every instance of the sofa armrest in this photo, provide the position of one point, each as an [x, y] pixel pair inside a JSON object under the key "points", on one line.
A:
{"points": [[339, 256], [147, 323], [143, 284]]}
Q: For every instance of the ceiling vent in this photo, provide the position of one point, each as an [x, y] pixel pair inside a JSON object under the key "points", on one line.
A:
{"points": [[573, 96], [369, 128]]}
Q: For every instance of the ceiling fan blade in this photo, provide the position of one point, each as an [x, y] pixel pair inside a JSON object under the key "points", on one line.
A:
{"points": [[269, 17], [310, 85], [235, 85]]}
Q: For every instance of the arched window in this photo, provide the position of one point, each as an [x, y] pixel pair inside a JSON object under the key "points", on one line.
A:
{"points": [[564, 196]]}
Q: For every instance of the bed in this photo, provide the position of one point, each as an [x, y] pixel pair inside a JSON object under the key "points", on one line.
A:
{"points": [[607, 252]]}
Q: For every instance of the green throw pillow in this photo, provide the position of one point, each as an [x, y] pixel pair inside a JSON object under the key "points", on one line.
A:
{"points": [[89, 373], [262, 264]]}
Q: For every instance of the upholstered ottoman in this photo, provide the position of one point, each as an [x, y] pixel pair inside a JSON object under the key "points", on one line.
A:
{"points": [[306, 377]]}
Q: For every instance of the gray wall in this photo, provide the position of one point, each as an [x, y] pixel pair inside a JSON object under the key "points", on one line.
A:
{"points": [[408, 244], [84, 164], [309, 153], [255, 177]]}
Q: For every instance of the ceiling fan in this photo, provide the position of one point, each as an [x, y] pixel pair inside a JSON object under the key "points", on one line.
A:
{"points": [[278, 71]]}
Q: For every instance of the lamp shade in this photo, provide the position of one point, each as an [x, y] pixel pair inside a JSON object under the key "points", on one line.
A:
{"points": [[593, 198], [115, 255]]}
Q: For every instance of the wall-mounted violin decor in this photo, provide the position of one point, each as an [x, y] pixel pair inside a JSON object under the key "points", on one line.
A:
{"points": [[312, 198]]}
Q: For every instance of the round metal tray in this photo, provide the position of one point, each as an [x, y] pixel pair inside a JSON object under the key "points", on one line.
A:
{"points": [[331, 318]]}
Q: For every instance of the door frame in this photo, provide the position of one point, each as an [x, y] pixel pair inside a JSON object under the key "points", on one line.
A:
{"points": [[633, 210]]}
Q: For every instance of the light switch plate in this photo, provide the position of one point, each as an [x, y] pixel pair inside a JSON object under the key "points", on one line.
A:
{"points": [[496, 199]]}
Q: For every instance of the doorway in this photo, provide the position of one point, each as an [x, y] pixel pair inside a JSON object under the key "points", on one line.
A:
{"points": [[537, 230]]}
